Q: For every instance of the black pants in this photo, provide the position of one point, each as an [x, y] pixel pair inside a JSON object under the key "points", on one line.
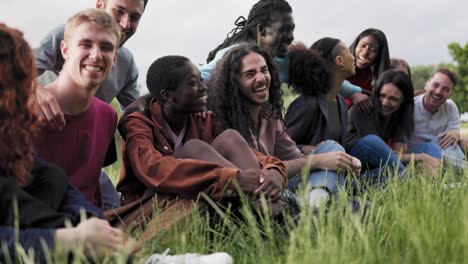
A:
{"points": [[37, 204]]}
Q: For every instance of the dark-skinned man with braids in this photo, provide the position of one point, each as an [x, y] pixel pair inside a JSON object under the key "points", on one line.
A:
{"points": [[269, 24]]}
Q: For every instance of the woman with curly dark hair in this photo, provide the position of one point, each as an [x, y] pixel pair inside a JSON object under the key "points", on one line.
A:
{"points": [[245, 95], [35, 196], [319, 115]]}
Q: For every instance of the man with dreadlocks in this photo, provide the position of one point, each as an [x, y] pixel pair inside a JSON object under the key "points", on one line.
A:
{"points": [[245, 95], [270, 25]]}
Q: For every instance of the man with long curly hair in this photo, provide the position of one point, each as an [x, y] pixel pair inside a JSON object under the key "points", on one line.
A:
{"points": [[86, 144], [244, 92]]}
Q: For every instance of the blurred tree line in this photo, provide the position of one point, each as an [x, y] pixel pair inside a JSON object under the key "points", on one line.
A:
{"points": [[459, 53]]}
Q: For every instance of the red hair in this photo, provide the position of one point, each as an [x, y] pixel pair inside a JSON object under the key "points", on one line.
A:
{"points": [[17, 105]]}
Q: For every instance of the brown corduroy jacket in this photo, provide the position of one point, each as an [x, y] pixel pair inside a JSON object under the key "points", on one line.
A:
{"points": [[149, 162]]}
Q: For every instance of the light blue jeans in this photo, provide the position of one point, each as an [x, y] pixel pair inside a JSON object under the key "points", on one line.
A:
{"points": [[329, 180], [452, 156]]}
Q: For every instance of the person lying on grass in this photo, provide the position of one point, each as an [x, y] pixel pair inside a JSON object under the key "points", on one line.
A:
{"points": [[173, 150], [245, 94]]}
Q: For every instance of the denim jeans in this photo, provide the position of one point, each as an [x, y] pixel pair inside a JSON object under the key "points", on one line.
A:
{"points": [[430, 148], [319, 178], [109, 195], [452, 156], [376, 158]]}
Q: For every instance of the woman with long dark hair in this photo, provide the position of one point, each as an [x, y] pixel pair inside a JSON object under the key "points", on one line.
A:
{"points": [[389, 122], [370, 48]]}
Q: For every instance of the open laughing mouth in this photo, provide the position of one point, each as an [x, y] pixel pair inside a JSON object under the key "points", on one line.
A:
{"points": [[93, 68], [435, 98], [285, 46], [202, 98], [260, 90], [363, 60]]}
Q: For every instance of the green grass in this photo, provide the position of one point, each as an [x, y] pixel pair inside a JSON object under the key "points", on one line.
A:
{"points": [[414, 221]]}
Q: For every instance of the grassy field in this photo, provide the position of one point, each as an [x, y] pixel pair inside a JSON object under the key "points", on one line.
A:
{"points": [[412, 221], [415, 221]]}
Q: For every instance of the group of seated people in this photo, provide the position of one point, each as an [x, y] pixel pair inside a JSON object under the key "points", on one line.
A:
{"points": [[216, 129]]}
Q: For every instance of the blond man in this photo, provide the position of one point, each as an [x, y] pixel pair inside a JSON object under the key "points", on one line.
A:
{"points": [[86, 143]]}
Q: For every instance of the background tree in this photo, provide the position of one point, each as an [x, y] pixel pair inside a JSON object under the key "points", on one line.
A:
{"points": [[420, 75], [460, 57]]}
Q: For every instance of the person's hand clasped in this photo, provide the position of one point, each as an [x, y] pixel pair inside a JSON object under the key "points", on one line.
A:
{"points": [[271, 184], [249, 180]]}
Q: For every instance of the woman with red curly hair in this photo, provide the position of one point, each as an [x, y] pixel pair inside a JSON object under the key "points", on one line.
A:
{"points": [[16, 106], [35, 196]]}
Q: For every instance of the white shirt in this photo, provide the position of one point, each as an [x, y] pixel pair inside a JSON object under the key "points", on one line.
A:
{"points": [[427, 125]]}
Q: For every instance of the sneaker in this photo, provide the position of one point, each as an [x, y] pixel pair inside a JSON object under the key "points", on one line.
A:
{"points": [[189, 258], [317, 197], [454, 185]]}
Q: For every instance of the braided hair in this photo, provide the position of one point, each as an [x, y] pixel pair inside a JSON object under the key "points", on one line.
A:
{"points": [[225, 97], [245, 30]]}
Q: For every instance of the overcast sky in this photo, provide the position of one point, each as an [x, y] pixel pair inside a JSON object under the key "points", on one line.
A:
{"points": [[417, 30]]}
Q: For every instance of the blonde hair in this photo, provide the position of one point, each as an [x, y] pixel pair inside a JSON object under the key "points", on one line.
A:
{"points": [[95, 16]]}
